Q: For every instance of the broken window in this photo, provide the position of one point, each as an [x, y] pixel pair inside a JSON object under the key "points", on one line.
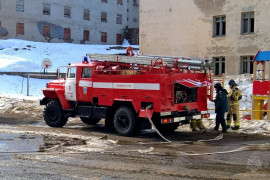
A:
{"points": [[247, 22], [67, 33], [119, 19], [86, 14], [67, 12], [119, 39], [20, 28], [220, 26], [103, 36], [86, 36], [46, 9], [120, 2], [246, 64], [219, 68], [103, 16], [46, 31], [20, 5]]}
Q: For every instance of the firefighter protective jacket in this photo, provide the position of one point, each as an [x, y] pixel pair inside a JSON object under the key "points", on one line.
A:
{"points": [[234, 96]]}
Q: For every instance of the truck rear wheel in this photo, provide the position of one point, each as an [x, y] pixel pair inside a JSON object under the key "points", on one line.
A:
{"points": [[54, 115], [90, 121], [125, 121]]}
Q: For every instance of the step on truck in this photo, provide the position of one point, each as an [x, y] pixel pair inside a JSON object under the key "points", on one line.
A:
{"points": [[128, 90]]}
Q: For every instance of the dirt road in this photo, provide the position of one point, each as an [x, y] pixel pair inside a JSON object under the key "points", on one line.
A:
{"points": [[32, 150]]}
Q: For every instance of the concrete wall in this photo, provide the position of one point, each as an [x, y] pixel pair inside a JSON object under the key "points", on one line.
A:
{"points": [[33, 20], [185, 28]]}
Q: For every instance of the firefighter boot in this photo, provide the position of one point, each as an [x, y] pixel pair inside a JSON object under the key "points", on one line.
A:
{"points": [[236, 122], [229, 121], [193, 125]]}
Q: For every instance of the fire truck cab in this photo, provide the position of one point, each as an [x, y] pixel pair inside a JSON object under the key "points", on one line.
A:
{"points": [[125, 91]]}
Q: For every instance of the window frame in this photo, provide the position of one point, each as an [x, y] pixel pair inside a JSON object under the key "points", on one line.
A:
{"points": [[49, 9], [103, 37], [219, 26], [103, 17], [221, 61], [45, 34], [67, 12], [119, 19], [248, 28], [86, 14], [86, 35], [20, 29], [19, 6], [248, 68], [67, 33]]}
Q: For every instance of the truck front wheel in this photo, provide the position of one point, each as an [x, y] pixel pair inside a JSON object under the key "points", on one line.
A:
{"points": [[54, 115], [125, 121], [90, 121]]}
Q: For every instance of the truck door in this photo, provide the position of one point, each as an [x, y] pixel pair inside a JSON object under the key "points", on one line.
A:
{"points": [[70, 86], [85, 85]]}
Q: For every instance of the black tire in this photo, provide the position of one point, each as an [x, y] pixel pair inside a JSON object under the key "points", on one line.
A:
{"points": [[90, 121], [54, 115], [125, 121]]}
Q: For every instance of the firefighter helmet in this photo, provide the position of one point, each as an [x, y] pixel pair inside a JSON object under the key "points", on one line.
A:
{"points": [[232, 83]]}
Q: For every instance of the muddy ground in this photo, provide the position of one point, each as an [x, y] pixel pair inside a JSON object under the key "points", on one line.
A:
{"points": [[32, 150]]}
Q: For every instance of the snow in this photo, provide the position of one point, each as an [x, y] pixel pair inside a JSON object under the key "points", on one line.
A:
{"points": [[26, 56]]}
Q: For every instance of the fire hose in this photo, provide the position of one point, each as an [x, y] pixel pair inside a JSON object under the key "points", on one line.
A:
{"points": [[153, 125]]}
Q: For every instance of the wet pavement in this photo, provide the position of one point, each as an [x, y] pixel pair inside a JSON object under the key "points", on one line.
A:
{"points": [[32, 150]]}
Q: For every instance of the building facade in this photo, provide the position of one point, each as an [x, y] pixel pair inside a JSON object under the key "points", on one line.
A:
{"points": [[80, 21], [230, 31]]}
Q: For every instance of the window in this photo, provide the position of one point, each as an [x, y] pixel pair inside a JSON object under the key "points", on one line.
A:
{"points": [[66, 33], [246, 64], [67, 12], [120, 2], [134, 19], [20, 28], [46, 9], [219, 68], [0, 28], [86, 14], [103, 17], [103, 37], [247, 22], [104, 1], [119, 39], [46, 31], [20, 5], [71, 73], [135, 3], [86, 72], [119, 19], [220, 26], [86, 35]]}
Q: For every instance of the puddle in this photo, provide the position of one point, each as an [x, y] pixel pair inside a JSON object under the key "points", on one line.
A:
{"points": [[16, 143]]}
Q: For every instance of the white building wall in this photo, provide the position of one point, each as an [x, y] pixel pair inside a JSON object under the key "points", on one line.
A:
{"points": [[33, 20]]}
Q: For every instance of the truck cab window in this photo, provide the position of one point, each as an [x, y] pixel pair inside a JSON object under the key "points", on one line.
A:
{"points": [[71, 73], [86, 73]]}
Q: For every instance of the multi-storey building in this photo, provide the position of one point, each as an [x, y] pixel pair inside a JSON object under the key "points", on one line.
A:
{"points": [[230, 31], [80, 21]]}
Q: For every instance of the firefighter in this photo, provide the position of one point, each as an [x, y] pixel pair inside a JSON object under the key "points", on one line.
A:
{"points": [[197, 124], [234, 96], [221, 106]]}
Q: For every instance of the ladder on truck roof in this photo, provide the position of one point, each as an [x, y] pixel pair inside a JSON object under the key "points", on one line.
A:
{"points": [[169, 61]]}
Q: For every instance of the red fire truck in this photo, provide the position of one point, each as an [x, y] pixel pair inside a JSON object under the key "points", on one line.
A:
{"points": [[126, 90]]}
